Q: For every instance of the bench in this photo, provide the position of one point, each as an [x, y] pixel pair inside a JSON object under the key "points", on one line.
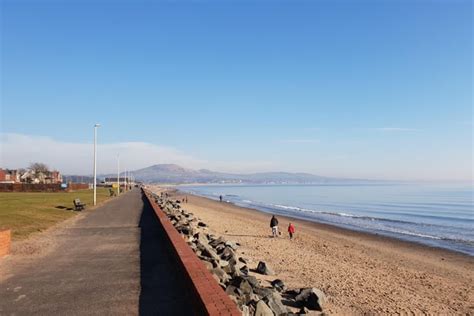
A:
{"points": [[78, 205]]}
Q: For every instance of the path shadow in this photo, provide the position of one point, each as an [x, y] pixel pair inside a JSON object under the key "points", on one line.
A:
{"points": [[163, 291]]}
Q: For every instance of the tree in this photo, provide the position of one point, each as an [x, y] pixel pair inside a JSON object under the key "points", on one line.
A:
{"points": [[38, 167]]}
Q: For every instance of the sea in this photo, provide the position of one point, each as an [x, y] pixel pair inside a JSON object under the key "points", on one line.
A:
{"points": [[434, 215]]}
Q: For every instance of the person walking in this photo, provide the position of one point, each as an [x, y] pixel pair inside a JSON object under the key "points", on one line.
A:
{"points": [[291, 230], [220, 198], [274, 226]]}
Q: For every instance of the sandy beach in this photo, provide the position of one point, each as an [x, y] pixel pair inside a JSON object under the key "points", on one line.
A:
{"points": [[360, 273]]}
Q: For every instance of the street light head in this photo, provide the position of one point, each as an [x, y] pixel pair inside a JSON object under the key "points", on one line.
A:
{"points": [[97, 125]]}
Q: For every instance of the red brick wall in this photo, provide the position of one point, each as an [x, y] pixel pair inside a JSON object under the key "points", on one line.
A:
{"points": [[77, 186], [5, 240], [209, 297], [30, 187]]}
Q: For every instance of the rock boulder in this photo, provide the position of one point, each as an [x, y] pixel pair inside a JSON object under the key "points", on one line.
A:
{"points": [[263, 268], [262, 309], [312, 298], [278, 285]]}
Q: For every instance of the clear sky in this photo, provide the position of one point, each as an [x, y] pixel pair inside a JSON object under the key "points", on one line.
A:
{"points": [[373, 89]]}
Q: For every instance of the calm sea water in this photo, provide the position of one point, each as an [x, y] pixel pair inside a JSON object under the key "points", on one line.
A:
{"points": [[435, 215]]}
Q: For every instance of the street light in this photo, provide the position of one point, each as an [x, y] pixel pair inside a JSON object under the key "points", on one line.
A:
{"points": [[95, 163], [118, 174], [125, 181]]}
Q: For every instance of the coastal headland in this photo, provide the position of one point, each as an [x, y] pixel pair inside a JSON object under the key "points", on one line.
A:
{"points": [[360, 273]]}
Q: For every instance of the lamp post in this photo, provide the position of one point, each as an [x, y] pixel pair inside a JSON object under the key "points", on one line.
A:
{"points": [[95, 162], [118, 174], [125, 181]]}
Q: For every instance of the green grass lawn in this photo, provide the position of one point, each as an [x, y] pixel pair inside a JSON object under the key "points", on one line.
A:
{"points": [[26, 213]]}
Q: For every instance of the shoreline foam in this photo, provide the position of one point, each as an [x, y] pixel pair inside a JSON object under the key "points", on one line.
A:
{"points": [[400, 232]]}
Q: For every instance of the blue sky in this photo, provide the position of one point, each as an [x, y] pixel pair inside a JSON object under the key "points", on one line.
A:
{"points": [[378, 89]]}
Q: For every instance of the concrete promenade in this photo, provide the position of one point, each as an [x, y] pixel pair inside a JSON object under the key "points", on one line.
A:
{"points": [[113, 261]]}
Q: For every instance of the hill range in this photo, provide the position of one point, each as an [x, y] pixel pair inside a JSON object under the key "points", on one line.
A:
{"points": [[171, 173]]}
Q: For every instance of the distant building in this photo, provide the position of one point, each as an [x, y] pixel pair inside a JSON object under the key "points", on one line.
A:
{"points": [[112, 180], [55, 177], [29, 176], [9, 176]]}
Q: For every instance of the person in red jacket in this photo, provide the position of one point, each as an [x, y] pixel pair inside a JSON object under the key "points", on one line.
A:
{"points": [[291, 230]]}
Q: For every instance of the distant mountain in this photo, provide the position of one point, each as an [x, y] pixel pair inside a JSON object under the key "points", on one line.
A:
{"points": [[171, 173], [77, 179]]}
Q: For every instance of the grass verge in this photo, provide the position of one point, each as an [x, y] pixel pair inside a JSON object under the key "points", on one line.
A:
{"points": [[25, 213]]}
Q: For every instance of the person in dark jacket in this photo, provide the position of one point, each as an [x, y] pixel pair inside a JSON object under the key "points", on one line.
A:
{"points": [[274, 226]]}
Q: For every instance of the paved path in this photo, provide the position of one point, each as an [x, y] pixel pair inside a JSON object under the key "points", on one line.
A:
{"points": [[113, 261]]}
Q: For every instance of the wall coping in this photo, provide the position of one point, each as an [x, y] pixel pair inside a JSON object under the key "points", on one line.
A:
{"points": [[5, 241]]}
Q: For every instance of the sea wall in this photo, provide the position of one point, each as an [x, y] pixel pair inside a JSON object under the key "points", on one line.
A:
{"points": [[5, 241], [208, 297]]}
